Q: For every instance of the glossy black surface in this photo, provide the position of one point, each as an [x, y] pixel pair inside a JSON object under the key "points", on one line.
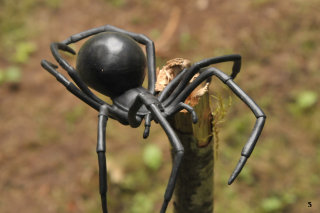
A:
{"points": [[126, 99], [111, 63]]}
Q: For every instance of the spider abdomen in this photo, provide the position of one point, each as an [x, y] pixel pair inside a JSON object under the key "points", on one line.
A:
{"points": [[111, 63]]}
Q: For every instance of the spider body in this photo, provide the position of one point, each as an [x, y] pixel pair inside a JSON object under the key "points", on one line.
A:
{"points": [[112, 63], [126, 100]]}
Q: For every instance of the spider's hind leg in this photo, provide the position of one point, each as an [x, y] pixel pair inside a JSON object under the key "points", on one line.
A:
{"points": [[101, 149], [171, 110], [157, 112], [51, 68], [147, 125], [187, 75], [257, 111], [55, 47], [178, 154], [140, 38]]}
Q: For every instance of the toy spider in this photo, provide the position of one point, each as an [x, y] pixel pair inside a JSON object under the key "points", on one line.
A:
{"points": [[112, 63]]}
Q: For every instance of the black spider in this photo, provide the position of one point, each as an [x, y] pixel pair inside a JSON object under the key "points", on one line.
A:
{"points": [[112, 63]]}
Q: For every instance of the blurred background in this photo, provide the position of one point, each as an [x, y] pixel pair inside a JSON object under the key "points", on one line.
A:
{"points": [[48, 137]]}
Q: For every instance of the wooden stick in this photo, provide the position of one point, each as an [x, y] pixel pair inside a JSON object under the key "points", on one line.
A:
{"points": [[194, 186]]}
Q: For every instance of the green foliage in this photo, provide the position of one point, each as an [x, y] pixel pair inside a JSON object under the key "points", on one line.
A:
{"points": [[141, 203], [221, 109], [2, 77], [303, 102], [47, 135], [241, 125], [23, 51], [289, 197], [276, 203], [73, 115], [186, 41], [309, 45], [11, 74], [261, 3], [54, 4], [140, 20], [117, 3], [246, 175], [272, 204], [152, 156], [306, 99], [14, 16], [155, 33], [135, 180]]}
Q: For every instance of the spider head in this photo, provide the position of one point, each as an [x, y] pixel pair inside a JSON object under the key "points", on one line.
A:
{"points": [[111, 63]]}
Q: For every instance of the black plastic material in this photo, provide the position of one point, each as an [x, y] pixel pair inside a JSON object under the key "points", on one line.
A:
{"points": [[178, 152], [142, 39], [102, 161], [103, 186], [195, 68], [112, 63]]}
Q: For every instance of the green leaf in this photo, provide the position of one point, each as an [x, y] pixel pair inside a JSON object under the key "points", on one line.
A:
{"points": [[289, 198], [152, 157], [2, 76], [12, 74], [246, 175], [155, 33], [141, 203], [271, 204], [54, 4], [23, 51], [74, 114], [306, 99]]}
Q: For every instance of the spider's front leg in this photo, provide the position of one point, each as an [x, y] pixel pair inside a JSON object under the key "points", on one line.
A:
{"points": [[51, 68], [257, 111], [171, 110], [140, 38], [157, 112], [176, 86], [55, 47], [178, 154], [101, 149], [168, 112]]}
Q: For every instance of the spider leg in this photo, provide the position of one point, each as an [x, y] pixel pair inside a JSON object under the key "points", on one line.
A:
{"points": [[114, 112], [178, 154], [51, 68], [205, 74], [259, 114], [180, 106], [153, 104], [101, 149], [147, 125], [169, 112], [55, 47], [103, 116], [195, 68], [261, 117], [140, 38], [172, 84]]}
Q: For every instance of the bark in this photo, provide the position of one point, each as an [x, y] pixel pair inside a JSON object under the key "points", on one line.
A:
{"points": [[194, 186]]}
